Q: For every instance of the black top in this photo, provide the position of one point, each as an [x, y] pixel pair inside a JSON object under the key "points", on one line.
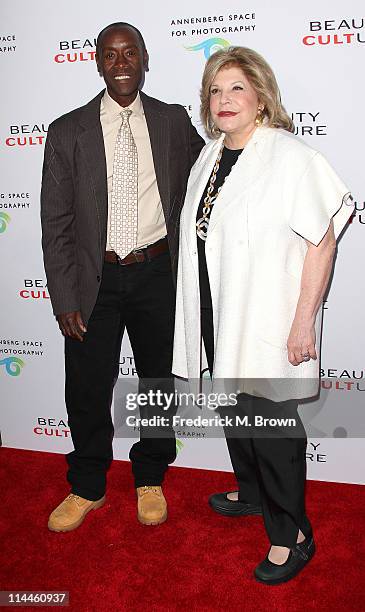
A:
{"points": [[228, 159]]}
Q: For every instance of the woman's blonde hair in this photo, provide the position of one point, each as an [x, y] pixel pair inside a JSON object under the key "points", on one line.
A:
{"points": [[260, 76]]}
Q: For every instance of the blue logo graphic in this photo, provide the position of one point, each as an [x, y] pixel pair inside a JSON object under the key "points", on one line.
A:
{"points": [[210, 46], [13, 365], [4, 220]]}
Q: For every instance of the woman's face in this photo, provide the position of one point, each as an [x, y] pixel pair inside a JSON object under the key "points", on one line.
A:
{"points": [[233, 102]]}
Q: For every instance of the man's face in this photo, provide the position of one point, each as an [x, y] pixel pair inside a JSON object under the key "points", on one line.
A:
{"points": [[122, 63]]}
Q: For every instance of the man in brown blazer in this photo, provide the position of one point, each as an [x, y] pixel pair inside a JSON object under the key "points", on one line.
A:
{"points": [[114, 179]]}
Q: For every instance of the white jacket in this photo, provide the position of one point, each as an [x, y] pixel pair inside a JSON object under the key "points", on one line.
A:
{"points": [[279, 192]]}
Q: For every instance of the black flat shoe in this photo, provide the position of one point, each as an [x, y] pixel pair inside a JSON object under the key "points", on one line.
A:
{"points": [[221, 504], [271, 573]]}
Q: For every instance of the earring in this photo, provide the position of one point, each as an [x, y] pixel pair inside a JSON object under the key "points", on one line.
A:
{"points": [[259, 117]]}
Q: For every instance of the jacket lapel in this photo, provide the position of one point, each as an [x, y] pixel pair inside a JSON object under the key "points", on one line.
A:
{"points": [[158, 128], [92, 146], [247, 170]]}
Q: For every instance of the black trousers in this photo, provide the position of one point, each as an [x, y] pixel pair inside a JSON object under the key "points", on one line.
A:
{"points": [[270, 466], [140, 298]]}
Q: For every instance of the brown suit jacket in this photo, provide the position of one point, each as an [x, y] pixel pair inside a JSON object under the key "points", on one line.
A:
{"points": [[74, 199]]}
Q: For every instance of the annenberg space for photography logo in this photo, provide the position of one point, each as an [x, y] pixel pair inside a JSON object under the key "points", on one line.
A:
{"points": [[214, 29], [12, 365], [24, 135], [15, 351], [4, 222], [7, 43], [341, 31], [210, 46], [75, 51], [16, 201], [179, 445]]}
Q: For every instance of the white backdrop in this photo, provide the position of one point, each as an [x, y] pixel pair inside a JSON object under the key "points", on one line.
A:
{"points": [[47, 68]]}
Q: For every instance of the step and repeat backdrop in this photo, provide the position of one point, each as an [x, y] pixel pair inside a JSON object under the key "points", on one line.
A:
{"points": [[47, 58]]}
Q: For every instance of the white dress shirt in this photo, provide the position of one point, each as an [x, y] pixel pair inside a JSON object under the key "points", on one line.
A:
{"points": [[151, 220]]}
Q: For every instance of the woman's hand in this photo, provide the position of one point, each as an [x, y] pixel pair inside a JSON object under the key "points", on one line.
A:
{"points": [[315, 275], [301, 342]]}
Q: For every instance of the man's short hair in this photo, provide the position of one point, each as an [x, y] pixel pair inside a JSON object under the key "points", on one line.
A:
{"points": [[118, 25]]}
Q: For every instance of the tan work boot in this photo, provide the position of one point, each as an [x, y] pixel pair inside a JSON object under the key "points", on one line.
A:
{"points": [[152, 507], [71, 512]]}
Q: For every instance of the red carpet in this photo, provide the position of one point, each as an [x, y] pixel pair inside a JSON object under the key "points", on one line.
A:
{"points": [[196, 560]]}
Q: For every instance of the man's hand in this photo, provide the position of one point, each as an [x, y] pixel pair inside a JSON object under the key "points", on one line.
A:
{"points": [[72, 325], [301, 343]]}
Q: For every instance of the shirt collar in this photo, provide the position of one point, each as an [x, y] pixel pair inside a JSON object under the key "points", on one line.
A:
{"points": [[113, 109]]}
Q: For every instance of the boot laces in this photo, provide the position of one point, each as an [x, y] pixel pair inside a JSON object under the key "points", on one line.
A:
{"points": [[148, 488], [74, 497]]}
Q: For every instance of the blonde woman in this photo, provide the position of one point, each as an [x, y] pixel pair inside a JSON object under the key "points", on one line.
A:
{"points": [[257, 240]]}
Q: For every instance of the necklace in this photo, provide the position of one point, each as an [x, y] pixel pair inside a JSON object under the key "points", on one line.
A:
{"points": [[203, 223]]}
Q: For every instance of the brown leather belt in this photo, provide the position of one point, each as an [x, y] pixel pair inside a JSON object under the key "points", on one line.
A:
{"points": [[139, 255]]}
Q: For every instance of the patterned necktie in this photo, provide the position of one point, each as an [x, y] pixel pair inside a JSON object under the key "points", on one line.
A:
{"points": [[124, 200]]}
